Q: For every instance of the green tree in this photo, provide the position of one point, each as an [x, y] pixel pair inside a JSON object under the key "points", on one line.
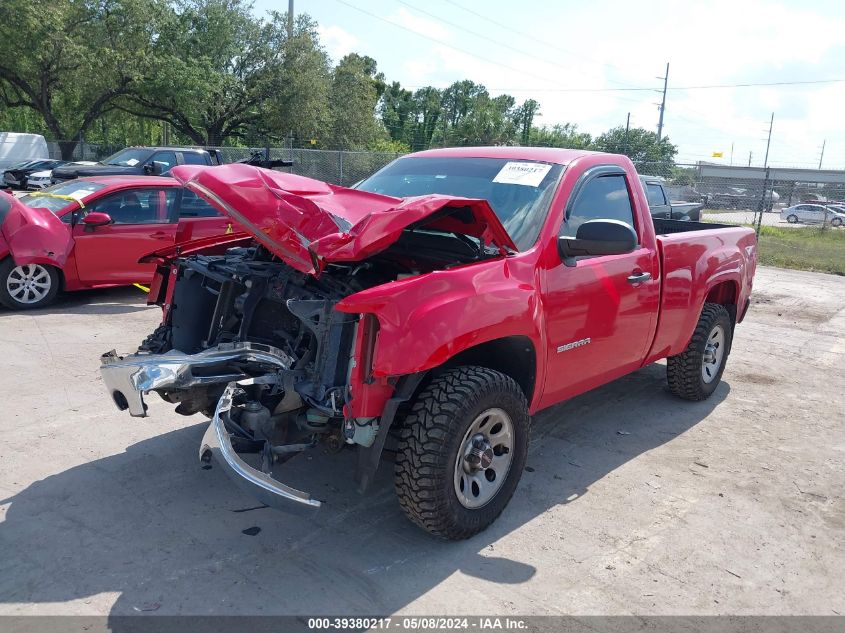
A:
{"points": [[524, 119], [428, 108], [459, 100], [299, 101], [70, 60], [356, 88], [215, 69], [642, 147], [560, 135], [687, 176], [397, 109], [488, 121]]}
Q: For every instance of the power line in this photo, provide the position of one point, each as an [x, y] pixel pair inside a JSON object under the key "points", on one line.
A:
{"points": [[521, 71], [497, 42], [533, 37], [703, 87]]}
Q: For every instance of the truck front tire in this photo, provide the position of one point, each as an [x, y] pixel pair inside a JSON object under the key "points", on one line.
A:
{"points": [[461, 452], [695, 373]]}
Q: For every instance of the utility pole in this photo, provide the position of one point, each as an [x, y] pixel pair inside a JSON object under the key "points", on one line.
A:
{"points": [[627, 126], [749, 158], [665, 79], [732, 154], [290, 19], [821, 158], [769, 142]]}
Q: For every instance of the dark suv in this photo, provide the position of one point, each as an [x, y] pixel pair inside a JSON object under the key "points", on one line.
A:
{"points": [[139, 161]]}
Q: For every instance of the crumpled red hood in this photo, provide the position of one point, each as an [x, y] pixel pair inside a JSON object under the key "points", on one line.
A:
{"points": [[308, 223], [34, 236]]}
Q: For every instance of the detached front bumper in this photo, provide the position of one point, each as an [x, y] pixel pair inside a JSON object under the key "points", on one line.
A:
{"points": [[217, 444], [128, 379]]}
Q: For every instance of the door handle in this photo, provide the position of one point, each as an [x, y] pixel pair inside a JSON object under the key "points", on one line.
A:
{"points": [[637, 278], [160, 235]]}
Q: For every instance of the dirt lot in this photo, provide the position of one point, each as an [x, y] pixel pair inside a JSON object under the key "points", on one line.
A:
{"points": [[633, 502]]}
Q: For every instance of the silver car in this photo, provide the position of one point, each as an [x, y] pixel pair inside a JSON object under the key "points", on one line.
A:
{"points": [[814, 214]]}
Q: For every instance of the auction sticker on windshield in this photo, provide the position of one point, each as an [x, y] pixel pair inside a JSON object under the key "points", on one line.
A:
{"points": [[519, 173]]}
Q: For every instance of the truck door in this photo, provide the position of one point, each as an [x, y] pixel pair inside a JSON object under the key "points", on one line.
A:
{"points": [[601, 313], [143, 220], [657, 202]]}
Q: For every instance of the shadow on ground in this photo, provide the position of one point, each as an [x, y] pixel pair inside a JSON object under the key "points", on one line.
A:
{"points": [[102, 301], [168, 537]]}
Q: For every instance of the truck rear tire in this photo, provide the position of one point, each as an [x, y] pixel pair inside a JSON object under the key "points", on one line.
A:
{"points": [[695, 373], [461, 451]]}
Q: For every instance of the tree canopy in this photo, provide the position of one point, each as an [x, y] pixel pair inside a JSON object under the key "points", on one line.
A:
{"points": [[212, 72]]}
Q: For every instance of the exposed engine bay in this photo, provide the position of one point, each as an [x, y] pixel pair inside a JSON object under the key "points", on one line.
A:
{"points": [[249, 319]]}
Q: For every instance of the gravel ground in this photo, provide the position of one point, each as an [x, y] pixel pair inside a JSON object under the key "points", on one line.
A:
{"points": [[633, 501]]}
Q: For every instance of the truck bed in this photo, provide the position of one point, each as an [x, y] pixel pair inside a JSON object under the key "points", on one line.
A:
{"points": [[667, 227], [697, 259]]}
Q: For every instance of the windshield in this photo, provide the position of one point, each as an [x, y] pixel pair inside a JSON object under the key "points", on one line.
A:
{"points": [[21, 165], [128, 157], [75, 189], [518, 191]]}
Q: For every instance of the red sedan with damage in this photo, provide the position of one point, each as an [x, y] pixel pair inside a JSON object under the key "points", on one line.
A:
{"points": [[433, 310], [91, 232]]}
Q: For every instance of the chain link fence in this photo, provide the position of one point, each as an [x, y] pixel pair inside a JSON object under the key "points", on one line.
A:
{"points": [[737, 194], [811, 236], [338, 167], [798, 214]]}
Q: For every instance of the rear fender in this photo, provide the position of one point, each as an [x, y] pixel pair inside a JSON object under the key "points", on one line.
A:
{"points": [[33, 236]]}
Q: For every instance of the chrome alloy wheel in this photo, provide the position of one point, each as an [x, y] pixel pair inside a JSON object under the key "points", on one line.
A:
{"points": [[28, 284], [484, 458], [714, 352]]}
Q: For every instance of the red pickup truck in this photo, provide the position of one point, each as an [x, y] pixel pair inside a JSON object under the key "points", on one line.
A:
{"points": [[433, 309]]}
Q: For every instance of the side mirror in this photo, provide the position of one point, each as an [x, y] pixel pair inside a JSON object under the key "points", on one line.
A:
{"points": [[96, 218], [155, 168], [597, 237]]}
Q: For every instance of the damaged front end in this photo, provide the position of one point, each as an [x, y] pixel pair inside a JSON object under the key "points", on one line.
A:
{"points": [[257, 347], [252, 335]]}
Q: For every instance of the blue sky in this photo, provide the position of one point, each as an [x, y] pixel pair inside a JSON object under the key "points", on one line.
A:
{"points": [[559, 52]]}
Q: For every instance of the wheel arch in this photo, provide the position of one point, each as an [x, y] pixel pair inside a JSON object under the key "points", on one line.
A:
{"points": [[725, 293], [515, 356], [46, 262]]}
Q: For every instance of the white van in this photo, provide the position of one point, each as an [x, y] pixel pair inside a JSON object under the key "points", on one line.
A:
{"points": [[17, 147]]}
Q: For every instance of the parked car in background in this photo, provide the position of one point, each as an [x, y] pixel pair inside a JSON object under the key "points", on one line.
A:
{"points": [[91, 232], [813, 214], [39, 180], [17, 177], [741, 198], [4, 184], [660, 206], [42, 179], [17, 147], [139, 161]]}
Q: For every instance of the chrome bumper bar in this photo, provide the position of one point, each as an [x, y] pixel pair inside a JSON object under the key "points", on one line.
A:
{"points": [[216, 443], [129, 378]]}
